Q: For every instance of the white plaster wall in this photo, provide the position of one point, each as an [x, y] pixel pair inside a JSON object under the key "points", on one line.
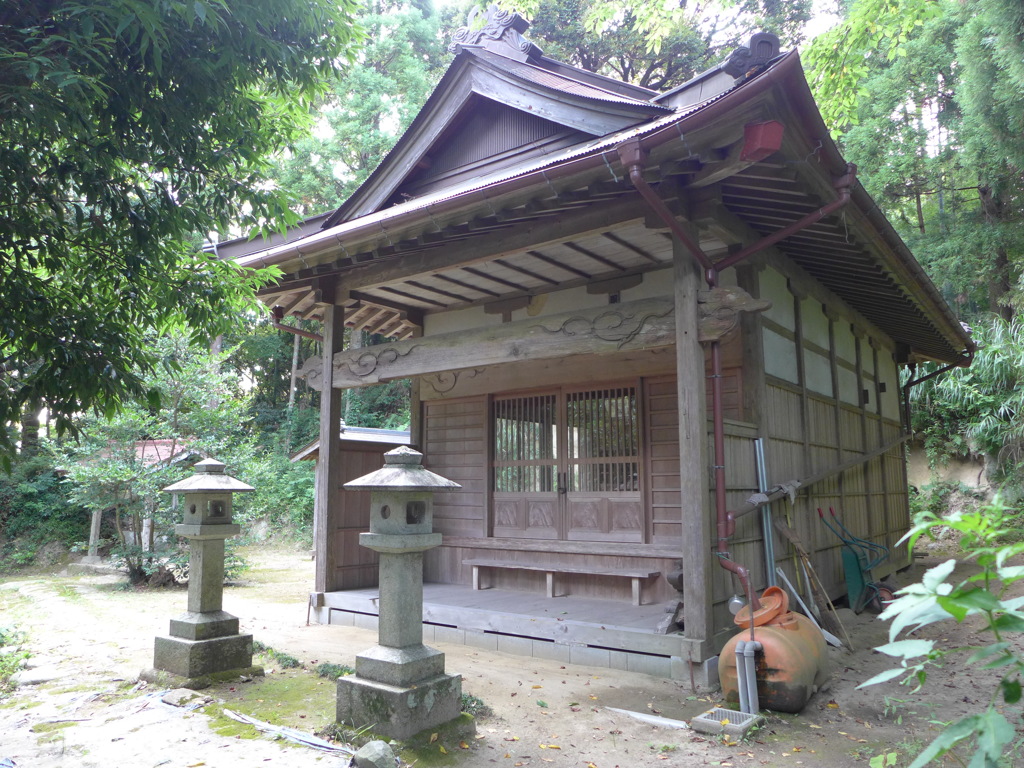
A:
{"points": [[780, 356], [775, 288], [846, 343], [815, 324], [848, 386], [818, 372], [461, 320], [889, 375], [867, 358]]}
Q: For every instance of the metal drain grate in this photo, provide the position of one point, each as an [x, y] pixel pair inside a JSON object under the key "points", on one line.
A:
{"points": [[728, 721]]}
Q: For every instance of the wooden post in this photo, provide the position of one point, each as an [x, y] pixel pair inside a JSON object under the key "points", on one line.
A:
{"points": [[416, 407], [327, 510], [693, 465]]}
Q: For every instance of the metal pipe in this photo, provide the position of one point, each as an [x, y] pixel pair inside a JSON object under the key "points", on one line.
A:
{"points": [[741, 676], [843, 184], [726, 524], [661, 210], [766, 514], [750, 666]]}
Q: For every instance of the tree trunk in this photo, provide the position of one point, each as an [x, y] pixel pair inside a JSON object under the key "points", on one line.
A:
{"points": [[30, 429], [1000, 279], [295, 372]]}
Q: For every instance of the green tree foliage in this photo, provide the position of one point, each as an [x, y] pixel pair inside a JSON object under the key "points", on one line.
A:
{"points": [[261, 355], [990, 536], [127, 129], [723, 23], [652, 45], [979, 409], [368, 107], [35, 509], [930, 102], [200, 410]]}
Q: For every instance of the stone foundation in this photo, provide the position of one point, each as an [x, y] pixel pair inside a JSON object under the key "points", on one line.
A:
{"points": [[398, 712], [196, 658]]}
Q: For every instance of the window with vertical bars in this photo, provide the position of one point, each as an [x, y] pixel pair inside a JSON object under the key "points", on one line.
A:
{"points": [[525, 444], [603, 440]]}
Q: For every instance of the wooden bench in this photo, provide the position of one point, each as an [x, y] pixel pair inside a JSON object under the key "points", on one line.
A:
{"points": [[634, 574]]}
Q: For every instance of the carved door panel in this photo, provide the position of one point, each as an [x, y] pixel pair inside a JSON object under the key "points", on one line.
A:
{"points": [[566, 466]]}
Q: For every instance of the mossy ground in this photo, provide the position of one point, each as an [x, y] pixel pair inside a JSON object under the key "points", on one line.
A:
{"points": [[296, 698], [445, 745]]}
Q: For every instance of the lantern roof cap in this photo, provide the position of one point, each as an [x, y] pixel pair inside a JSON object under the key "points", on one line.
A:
{"points": [[403, 470], [209, 477]]}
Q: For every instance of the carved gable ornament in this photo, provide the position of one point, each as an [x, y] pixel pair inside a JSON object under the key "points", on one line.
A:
{"points": [[501, 33]]}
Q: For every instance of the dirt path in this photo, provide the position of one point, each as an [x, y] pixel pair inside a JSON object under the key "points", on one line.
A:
{"points": [[94, 637]]}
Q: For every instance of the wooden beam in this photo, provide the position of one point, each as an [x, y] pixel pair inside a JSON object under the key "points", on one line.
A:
{"points": [[413, 315], [615, 284], [594, 220], [327, 512], [601, 330]]}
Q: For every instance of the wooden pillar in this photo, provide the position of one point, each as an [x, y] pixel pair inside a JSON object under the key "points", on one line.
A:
{"points": [[754, 389], [837, 402], [696, 512], [327, 510], [416, 436]]}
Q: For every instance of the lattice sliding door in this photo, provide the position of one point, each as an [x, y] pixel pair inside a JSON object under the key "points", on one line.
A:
{"points": [[567, 465]]}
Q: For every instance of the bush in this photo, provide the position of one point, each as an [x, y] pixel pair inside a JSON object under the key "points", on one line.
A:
{"points": [[35, 509], [283, 497], [10, 657], [992, 536]]}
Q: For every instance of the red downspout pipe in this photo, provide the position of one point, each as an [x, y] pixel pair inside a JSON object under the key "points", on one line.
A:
{"points": [[633, 157]]}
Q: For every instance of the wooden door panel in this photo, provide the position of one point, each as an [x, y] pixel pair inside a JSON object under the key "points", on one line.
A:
{"points": [[517, 517]]}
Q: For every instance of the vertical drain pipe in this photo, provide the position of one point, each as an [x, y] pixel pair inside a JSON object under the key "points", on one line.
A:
{"points": [[741, 676], [750, 648], [766, 515]]}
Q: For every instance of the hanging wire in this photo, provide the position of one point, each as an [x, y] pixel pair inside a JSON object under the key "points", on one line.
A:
{"points": [[604, 156]]}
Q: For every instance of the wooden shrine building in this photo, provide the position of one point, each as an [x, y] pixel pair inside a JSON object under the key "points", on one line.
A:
{"points": [[624, 314]]}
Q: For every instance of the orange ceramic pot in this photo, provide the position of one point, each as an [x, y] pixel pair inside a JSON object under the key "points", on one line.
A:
{"points": [[792, 663]]}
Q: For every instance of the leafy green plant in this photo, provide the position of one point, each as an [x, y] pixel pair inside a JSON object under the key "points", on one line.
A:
{"points": [[333, 671], [284, 660], [884, 760], [991, 536], [474, 705], [10, 657]]}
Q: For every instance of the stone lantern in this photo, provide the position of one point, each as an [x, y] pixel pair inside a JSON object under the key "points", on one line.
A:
{"points": [[400, 686], [204, 640]]}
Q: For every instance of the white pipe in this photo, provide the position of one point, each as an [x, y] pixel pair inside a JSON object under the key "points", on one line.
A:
{"points": [[741, 675], [750, 648]]}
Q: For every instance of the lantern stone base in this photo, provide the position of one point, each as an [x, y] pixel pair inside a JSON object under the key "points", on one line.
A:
{"points": [[398, 712], [199, 658], [399, 666], [204, 626]]}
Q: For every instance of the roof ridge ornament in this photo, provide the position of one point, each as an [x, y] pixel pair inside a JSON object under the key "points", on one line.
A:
{"points": [[502, 33], [749, 60]]}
